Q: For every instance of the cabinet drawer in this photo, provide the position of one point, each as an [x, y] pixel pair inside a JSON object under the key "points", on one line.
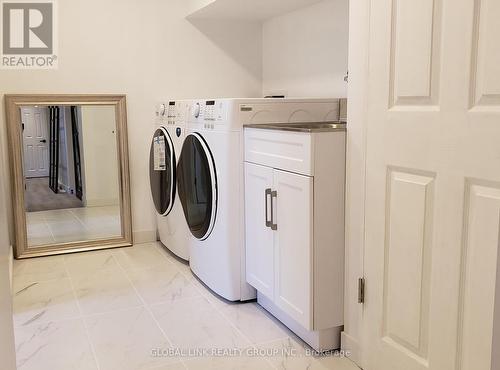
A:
{"points": [[289, 151]]}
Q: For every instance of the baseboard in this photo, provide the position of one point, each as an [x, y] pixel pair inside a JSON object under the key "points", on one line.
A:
{"points": [[350, 344], [101, 202], [144, 236], [11, 265]]}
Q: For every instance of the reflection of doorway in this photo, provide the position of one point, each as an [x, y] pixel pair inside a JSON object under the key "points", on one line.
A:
{"points": [[54, 146], [35, 134], [52, 178], [76, 153]]}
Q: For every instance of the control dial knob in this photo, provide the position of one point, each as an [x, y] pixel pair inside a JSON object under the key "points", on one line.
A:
{"points": [[196, 110]]}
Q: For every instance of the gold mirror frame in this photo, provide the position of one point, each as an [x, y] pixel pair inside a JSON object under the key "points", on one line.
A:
{"points": [[13, 104]]}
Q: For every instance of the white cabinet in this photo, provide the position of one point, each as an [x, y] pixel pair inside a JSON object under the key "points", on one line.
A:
{"points": [[279, 231], [293, 245], [260, 258], [294, 225]]}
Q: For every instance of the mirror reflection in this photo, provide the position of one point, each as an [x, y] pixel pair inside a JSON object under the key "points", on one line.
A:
{"points": [[71, 173]]}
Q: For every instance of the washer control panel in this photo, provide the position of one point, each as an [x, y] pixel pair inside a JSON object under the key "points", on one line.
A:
{"points": [[209, 113], [171, 113]]}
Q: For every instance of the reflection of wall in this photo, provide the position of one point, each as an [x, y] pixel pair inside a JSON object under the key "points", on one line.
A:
{"points": [[100, 187], [305, 51]]}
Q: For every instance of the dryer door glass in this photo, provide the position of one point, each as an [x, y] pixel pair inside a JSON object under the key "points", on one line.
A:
{"points": [[162, 171], [197, 185]]}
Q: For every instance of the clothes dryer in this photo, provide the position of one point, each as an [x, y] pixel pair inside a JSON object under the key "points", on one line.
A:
{"points": [[211, 182]]}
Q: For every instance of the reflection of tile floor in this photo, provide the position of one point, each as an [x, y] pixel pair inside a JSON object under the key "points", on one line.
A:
{"points": [[75, 224], [109, 309]]}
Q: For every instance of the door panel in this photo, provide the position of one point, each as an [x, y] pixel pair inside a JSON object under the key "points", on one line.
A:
{"points": [[415, 52], [432, 180], [485, 81], [293, 245], [479, 269], [259, 237], [35, 135], [410, 204]]}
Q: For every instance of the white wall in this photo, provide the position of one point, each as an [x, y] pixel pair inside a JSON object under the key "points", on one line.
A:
{"points": [[7, 350], [100, 153], [305, 51], [148, 51]]}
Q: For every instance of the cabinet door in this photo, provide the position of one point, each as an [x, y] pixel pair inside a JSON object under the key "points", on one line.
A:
{"points": [[259, 237], [293, 245]]}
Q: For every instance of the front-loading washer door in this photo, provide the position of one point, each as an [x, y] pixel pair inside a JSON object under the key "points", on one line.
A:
{"points": [[162, 171], [197, 185]]}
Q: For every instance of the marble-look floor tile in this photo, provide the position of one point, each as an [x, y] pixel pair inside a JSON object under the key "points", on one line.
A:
{"points": [[290, 354], [34, 216], [59, 345], [174, 366], [182, 265], [122, 330], [124, 340], [254, 322], [39, 269], [104, 291], [68, 230], [162, 283], [43, 301], [40, 240], [98, 222], [229, 363], [56, 214], [88, 263], [217, 301], [76, 224], [195, 323], [38, 233], [139, 256]]}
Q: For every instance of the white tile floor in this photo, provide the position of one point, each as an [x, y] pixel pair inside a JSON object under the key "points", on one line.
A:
{"points": [[75, 224], [108, 310]]}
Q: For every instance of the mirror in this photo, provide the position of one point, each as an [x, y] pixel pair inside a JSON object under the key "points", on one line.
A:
{"points": [[70, 173]]}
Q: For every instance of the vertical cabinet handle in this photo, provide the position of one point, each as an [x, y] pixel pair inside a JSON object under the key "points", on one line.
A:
{"points": [[268, 195], [274, 226]]}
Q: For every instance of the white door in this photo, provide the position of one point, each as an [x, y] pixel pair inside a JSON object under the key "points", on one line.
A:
{"points": [[293, 215], [433, 184], [258, 235], [35, 141]]}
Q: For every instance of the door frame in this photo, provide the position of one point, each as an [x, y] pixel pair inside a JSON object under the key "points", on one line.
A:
{"points": [[357, 95]]}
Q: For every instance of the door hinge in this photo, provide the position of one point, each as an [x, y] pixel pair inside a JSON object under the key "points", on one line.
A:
{"points": [[361, 290]]}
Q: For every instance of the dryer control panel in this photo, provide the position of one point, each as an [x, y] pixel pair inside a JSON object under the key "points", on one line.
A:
{"points": [[215, 110]]}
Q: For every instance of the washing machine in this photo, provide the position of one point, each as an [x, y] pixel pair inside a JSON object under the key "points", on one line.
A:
{"points": [[166, 146], [210, 182]]}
